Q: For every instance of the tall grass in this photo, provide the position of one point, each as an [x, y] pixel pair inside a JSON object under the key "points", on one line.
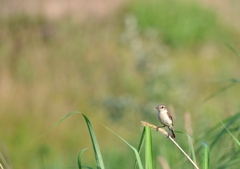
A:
{"points": [[115, 73], [149, 158]]}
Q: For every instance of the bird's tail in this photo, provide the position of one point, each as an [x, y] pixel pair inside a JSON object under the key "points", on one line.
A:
{"points": [[171, 133]]}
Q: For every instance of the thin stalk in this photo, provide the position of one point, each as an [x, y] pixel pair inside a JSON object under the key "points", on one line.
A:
{"points": [[161, 130]]}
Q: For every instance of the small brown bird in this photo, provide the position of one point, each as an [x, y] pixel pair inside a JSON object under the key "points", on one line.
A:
{"points": [[165, 118]]}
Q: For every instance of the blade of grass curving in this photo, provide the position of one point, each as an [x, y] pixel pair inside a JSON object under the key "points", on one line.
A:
{"points": [[229, 159], [206, 157], [232, 118], [134, 149], [226, 157], [191, 147], [231, 163], [55, 125], [231, 121], [66, 116], [79, 158], [148, 149], [232, 82], [190, 143], [140, 144], [233, 49], [221, 80], [234, 138], [212, 131], [97, 152], [219, 91], [142, 140]]}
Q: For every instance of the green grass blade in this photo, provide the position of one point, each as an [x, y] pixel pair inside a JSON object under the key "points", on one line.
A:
{"points": [[96, 148], [191, 147], [219, 91], [206, 157], [55, 125], [61, 120], [140, 143], [234, 138], [229, 121], [139, 162], [79, 158], [141, 140], [230, 163], [148, 152], [233, 49], [97, 152], [190, 143]]}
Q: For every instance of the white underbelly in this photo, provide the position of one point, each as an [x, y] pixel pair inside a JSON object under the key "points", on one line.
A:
{"points": [[164, 119]]}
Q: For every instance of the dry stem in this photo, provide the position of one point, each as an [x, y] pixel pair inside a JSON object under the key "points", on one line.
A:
{"points": [[166, 134]]}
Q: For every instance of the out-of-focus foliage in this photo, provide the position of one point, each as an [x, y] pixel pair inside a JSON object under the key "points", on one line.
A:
{"points": [[115, 72], [179, 24]]}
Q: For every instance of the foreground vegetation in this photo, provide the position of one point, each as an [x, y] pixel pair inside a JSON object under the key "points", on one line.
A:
{"points": [[115, 72]]}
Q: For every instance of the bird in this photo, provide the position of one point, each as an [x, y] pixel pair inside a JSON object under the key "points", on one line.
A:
{"points": [[165, 119]]}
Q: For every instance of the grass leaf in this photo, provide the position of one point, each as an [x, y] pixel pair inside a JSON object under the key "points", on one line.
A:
{"points": [[219, 91], [134, 149], [190, 143], [148, 148], [206, 157], [234, 138], [55, 125], [66, 116], [233, 49], [230, 163], [141, 140], [96, 148], [97, 152], [230, 121], [140, 143], [79, 158]]}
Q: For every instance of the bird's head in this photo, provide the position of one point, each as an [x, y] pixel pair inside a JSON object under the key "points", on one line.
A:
{"points": [[160, 107]]}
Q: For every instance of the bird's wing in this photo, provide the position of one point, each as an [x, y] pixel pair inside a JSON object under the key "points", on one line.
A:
{"points": [[169, 115]]}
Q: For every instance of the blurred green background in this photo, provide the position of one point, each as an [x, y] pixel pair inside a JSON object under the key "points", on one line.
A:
{"points": [[113, 61]]}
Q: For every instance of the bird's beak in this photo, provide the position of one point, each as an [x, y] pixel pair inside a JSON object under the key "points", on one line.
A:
{"points": [[155, 108]]}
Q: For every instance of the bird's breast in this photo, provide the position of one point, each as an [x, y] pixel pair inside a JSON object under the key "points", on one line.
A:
{"points": [[164, 119]]}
